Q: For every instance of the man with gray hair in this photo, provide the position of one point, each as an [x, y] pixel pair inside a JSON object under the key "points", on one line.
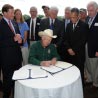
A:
{"points": [[67, 16], [55, 24], [33, 23], [92, 67], [66, 21]]}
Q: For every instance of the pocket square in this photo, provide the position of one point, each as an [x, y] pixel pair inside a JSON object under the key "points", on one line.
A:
{"points": [[96, 24], [38, 23]]}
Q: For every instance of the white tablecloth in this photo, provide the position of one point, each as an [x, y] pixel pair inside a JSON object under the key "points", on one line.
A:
{"points": [[65, 84]]}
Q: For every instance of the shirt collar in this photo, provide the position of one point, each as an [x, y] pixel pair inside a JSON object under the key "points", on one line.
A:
{"points": [[93, 17], [51, 20], [6, 19], [34, 19], [76, 23]]}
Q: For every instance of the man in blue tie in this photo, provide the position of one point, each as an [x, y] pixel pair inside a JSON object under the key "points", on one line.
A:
{"points": [[67, 16], [51, 24], [56, 25]]}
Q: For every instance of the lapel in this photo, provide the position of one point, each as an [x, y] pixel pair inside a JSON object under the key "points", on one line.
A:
{"points": [[77, 26], [37, 23], [55, 22], [71, 27], [5, 25], [48, 22], [15, 26], [94, 21]]}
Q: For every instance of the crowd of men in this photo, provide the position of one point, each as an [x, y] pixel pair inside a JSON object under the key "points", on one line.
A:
{"points": [[72, 39]]}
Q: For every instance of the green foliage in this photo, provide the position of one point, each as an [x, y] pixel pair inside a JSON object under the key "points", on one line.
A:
{"points": [[26, 16], [40, 16], [60, 17], [0, 11]]}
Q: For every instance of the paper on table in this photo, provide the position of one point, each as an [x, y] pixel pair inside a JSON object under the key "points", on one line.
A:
{"points": [[63, 65], [52, 69], [26, 74], [38, 73], [20, 74]]}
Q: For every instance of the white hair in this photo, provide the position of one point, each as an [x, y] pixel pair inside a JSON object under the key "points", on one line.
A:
{"points": [[94, 4], [68, 8], [54, 9], [33, 8]]}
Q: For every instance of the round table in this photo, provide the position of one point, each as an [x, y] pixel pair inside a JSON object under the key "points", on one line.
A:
{"points": [[65, 84]]}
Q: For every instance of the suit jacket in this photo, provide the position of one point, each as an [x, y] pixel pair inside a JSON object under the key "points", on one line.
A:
{"points": [[10, 51], [36, 28], [93, 38], [57, 30], [65, 24], [76, 39]]}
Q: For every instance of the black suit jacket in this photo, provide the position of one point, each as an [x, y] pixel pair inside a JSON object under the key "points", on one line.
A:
{"points": [[76, 39], [58, 29], [10, 51], [93, 38], [64, 24], [36, 28]]}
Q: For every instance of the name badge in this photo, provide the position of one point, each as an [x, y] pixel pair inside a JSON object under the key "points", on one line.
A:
{"points": [[96, 24], [48, 51]]}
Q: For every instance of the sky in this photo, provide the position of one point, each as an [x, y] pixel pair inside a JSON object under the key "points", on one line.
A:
{"points": [[25, 5]]}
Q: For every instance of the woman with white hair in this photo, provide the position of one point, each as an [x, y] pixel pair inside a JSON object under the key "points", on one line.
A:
{"points": [[43, 52]]}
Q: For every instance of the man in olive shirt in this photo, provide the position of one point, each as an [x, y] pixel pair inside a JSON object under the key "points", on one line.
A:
{"points": [[43, 52]]}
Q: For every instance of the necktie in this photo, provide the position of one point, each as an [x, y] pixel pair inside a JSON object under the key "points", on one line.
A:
{"points": [[32, 37], [73, 26], [90, 22], [9, 23], [52, 24]]}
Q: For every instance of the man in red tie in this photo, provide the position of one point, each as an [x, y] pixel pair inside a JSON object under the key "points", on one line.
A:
{"points": [[10, 51]]}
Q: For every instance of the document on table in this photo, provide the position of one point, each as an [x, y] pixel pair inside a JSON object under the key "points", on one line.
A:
{"points": [[58, 67], [23, 74], [63, 65], [52, 69]]}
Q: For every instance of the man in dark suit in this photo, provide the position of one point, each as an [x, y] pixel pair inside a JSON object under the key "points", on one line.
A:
{"points": [[10, 51], [75, 39], [33, 23], [55, 24], [0, 59], [92, 68], [67, 17], [66, 20]]}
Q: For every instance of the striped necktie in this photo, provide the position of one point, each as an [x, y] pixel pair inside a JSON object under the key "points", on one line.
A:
{"points": [[10, 25], [90, 22]]}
